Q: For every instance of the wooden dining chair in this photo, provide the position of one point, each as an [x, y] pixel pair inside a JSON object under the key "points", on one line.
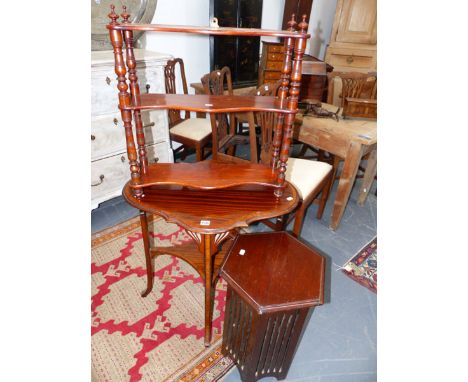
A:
{"points": [[311, 178], [355, 93], [223, 125], [190, 132]]}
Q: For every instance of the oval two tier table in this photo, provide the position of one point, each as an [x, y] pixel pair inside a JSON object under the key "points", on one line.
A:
{"points": [[210, 199], [211, 217]]}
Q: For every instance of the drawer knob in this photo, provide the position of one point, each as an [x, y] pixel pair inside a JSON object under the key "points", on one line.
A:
{"points": [[149, 125], [108, 80], [122, 158], [350, 59], [101, 178], [93, 137], [116, 121]]}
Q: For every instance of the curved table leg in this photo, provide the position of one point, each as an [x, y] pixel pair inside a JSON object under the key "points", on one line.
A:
{"points": [[149, 264], [207, 244], [348, 175]]}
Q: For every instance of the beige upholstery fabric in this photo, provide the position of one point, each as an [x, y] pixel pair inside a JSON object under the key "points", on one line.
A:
{"points": [[193, 128], [306, 174]]}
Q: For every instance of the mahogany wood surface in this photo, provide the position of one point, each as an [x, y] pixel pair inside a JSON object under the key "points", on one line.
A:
{"points": [[210, 30], [223, 209], [208, 103], [273, 280], [207, 174], [276, 272], [285, 104], [207, 214]]}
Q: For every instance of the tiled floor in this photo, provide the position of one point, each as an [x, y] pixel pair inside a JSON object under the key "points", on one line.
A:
{"points": [[339, 343]]}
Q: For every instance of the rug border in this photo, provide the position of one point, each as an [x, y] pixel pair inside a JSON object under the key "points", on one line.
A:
{"points": [[109, 233], [370, 285]]}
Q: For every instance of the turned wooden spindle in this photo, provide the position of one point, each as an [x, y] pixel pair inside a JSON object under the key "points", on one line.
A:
{"points": [[134, 91], [113, 16], [283, 94], [116, 39], [293, 100]]}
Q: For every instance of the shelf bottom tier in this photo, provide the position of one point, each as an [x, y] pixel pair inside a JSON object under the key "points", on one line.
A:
{"points": [[207, 174]]}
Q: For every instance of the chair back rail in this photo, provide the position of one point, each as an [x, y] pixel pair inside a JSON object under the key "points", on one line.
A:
{"points": [[171, 88]]}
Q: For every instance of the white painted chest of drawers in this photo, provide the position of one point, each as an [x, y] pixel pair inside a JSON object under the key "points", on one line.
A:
{"points": [[109, 162]]}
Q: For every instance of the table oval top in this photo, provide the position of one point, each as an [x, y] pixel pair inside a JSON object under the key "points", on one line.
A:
{"points": [[215, 210]]}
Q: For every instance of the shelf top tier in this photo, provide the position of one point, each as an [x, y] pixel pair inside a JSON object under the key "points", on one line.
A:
{"points": [[210, 103], [220, 31]]}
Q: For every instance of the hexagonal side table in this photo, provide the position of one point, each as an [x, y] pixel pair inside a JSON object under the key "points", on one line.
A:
{"points": [[273, 280]]}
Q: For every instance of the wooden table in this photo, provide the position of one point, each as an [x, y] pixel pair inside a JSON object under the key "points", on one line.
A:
{"points": [[274, 280], [211, 218], [349, 139]]}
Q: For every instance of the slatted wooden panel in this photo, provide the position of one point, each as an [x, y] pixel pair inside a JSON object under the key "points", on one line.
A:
{"points": [[261, 345], [237, 328]]}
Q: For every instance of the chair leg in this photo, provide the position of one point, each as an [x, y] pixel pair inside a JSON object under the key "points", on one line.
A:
{"points": [[299, 220], [146, 245], [281, 222], [199, 153], [184, 153], [325, 194], [303, 150]]}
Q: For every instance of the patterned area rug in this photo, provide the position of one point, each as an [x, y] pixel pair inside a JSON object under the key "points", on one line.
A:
{"points": [[363, 266], [159, 337]]}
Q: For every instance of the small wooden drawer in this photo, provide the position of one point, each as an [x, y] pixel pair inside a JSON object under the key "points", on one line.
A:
{"points": [[274, 65], [276, 48], [275, 57], [109, 175], [108, 135], [104, 99], [276, 75], [352, 61]]}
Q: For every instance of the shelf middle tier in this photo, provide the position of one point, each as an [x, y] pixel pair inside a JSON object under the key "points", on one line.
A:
{"points": [[207, 174], [210, 103]]}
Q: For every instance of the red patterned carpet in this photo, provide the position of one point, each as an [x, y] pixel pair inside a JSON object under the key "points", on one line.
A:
{"points": [[159, 337], [362, 267]]}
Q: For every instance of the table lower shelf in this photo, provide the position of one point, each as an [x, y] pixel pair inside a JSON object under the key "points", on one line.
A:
{"points": [[190, 253]]}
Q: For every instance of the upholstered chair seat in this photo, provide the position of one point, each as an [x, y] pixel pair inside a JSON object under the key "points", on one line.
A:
{"points": [[306, 175], [193, 128]]}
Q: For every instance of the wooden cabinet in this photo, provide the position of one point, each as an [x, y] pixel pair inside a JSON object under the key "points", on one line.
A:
{"points": [[353, 43], [109, 162], [240, 54], [271, 63]]}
